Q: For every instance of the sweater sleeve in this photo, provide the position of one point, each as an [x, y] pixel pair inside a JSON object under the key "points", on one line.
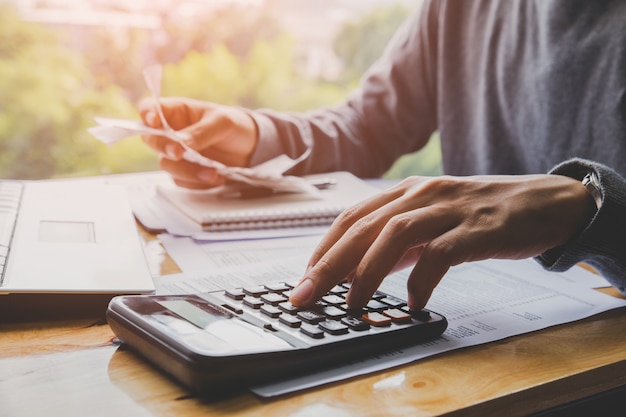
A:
{"points": [[602, 244], [390, 114]]}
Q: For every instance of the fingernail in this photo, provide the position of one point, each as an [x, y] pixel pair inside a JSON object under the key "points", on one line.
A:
{"points": [[301, 295], [184, 136], [171, 151], [207, 175], [150, 118], [354, 295]]}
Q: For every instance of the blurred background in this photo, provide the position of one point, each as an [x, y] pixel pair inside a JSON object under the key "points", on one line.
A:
{"points": [[62, 62]]}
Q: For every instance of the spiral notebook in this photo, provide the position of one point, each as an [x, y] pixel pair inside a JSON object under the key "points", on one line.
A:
{"points": [[216, 212]]}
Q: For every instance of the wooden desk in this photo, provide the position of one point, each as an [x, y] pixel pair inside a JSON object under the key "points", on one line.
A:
{"points": [[75, 368]]}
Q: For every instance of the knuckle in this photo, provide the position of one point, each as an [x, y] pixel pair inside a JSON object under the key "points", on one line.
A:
{"points": [[324, 272], [364, 225], [415, 188], [441, 184], [318, 253], [323, 267], [439, 249], [399, 223], [346, 218]]}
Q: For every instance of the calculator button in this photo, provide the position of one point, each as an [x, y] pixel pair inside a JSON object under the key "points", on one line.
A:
{"points": [[289, 308], [338, 289], [273, 299], [393, 301], [270, 310], [235, 294], [279, 287], [376, 319], [255, 291], [333, 299], [312, 331], [375, 305], [333, 327], [318, 305], [421, 315], [270, 327], [378, 295], [354, 312], [396, 315], [290, 321], [333, 312], [253, 302], [311, 317], [355, 323], [236, 310]]}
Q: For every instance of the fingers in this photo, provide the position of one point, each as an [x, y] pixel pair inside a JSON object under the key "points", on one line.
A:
{"points": [[336, 263], [341, 248], [438, 256], [164, 146], [179, 112], [173, 110], [189, 175], [148, 113], [347, 219], [223, 133], [440, 223], [227, 134], [402, 234]]}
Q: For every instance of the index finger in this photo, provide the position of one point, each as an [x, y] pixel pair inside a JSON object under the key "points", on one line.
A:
{"points": [[164, 146], [341, 249], [347, 218]]}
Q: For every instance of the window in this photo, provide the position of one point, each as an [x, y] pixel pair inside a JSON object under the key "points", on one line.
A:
{"points": [[63, 62]]}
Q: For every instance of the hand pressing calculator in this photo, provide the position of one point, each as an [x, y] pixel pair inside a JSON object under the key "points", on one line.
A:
{"points": [[234, 339]]}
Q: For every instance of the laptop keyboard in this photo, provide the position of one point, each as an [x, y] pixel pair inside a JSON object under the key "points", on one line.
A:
{"points": [[10, 197]]}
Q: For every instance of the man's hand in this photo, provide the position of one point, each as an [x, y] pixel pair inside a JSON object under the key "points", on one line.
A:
{"points": [[222, 133], [436, 223]]}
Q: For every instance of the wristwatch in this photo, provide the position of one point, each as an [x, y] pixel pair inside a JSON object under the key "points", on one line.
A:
{"points": [[592, 184]]}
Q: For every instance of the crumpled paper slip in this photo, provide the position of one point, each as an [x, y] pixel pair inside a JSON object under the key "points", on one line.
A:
{"points": [[268, 174]]}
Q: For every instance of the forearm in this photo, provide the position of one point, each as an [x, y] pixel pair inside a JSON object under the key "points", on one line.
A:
{"points": [[337, 142], [602, 244], [390, 114]]}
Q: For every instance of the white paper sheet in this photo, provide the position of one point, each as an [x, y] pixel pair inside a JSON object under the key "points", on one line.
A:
{"points": [[210, 266], [483, 301]]}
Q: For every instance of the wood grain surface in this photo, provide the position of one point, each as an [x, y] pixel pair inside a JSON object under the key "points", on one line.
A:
{"points": [[76, 368]]}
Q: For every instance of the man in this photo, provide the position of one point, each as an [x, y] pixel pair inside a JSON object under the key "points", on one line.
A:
{"points": [[515, 88]]}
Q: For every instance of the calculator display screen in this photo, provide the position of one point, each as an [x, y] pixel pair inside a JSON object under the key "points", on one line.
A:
{"points": [[193, 314], [211, 330]]}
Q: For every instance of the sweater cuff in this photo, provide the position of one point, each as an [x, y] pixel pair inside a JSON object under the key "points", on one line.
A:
{"points": [[602, 244], [268, 145]]}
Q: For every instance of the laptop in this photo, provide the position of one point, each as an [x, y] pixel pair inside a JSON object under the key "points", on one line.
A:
{"points": [[67, 247]]}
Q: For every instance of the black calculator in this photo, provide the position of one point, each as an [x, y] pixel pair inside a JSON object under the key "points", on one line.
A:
{"points": [[234, 339]]}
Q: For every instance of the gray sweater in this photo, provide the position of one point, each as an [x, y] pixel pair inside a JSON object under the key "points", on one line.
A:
{"points": [[513, 87]]}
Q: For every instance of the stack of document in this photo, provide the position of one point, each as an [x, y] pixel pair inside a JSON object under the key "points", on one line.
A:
{"points": [[222, 214]]}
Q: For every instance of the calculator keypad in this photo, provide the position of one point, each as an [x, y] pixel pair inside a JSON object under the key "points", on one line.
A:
{"points": [[329, 317]]}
